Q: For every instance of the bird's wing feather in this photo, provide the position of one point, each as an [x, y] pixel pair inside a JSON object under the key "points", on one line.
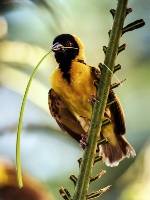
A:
{"points": [[115, 108], [63, 116], [117, 112]]}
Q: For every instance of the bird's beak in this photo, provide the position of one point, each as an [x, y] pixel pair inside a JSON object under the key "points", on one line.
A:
{"points": [[57, 47]]}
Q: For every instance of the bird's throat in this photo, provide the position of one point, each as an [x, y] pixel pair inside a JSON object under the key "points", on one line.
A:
{"points": [[65, 68]]}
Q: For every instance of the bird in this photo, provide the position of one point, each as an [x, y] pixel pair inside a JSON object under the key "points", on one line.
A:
{"points": [[71, 98]]}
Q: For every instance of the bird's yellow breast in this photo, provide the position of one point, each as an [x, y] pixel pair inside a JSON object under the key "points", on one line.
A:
{"points": [[78, 92]]}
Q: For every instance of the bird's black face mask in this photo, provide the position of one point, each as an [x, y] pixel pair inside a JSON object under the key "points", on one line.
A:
{"points": [[65, 48]]}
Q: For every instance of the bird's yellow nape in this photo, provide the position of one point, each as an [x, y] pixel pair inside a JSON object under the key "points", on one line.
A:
{"points": [[81, 54]]}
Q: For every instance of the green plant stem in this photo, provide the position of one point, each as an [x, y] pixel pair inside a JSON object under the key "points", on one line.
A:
{"points": [[99, 106], [19, 128]]}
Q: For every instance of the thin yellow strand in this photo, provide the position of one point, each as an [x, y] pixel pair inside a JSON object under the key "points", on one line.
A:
{"points": [[20, 124]]}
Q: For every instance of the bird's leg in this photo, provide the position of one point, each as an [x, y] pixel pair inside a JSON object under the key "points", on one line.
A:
{"points": [[83, 141], [92, 99]]}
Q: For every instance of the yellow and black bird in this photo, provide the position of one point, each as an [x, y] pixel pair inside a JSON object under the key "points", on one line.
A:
{"points": [[70, 100]]}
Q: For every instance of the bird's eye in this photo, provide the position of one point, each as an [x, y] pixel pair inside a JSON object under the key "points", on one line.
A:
{"points": [[69, 44]]}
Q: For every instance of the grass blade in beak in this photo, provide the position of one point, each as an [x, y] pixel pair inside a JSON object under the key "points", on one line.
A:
{"points": [[19, 128]]}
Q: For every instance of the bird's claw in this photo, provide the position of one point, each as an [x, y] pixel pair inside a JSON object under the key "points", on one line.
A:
{"points": [[92, 99], [83, 141]]}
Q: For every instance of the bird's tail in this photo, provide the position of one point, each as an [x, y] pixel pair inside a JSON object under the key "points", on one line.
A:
{"points": [[112, 154]]}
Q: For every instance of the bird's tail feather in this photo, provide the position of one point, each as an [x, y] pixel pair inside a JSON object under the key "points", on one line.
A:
{"points": [[113, 154]]}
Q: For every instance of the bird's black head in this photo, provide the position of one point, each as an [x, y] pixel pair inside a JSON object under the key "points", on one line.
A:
{"points": [[65, 48]]}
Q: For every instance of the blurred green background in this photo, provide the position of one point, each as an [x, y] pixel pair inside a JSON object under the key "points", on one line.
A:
{"points": [[27, 29]]}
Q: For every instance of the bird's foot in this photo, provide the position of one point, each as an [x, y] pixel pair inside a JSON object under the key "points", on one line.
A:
{"points": [[92, 99], [83, 141]]}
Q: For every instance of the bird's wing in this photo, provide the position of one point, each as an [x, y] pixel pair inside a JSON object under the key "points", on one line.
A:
{"points": [[63, 116], [114, 107], [117, 112]]}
